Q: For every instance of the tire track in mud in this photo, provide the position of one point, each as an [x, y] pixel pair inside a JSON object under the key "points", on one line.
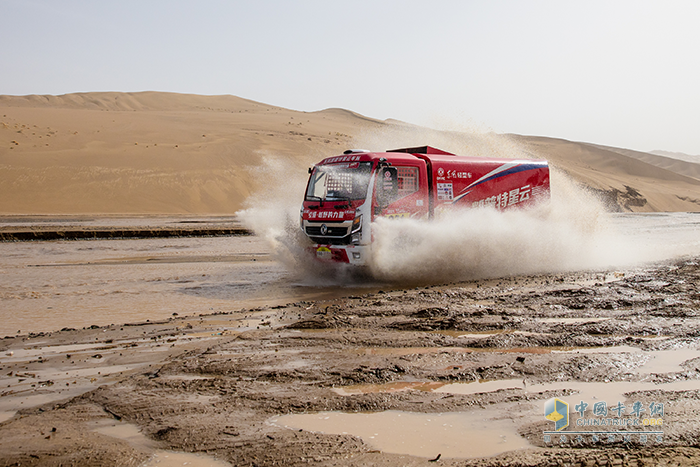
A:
{"points": [[401, 350]]}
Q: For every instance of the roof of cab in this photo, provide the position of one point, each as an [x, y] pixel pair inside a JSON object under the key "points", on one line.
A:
{"points": [[422, 150]]}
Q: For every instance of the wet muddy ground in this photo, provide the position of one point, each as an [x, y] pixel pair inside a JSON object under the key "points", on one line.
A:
{"points": [[29, 228], [455, 374]]}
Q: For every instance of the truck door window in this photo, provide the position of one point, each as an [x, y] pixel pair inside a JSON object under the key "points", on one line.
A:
{"points": [[405, 182], [408, 180]]}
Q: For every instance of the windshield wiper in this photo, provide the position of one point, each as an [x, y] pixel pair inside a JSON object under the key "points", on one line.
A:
{"points": [[320, 201], [343, 206]]}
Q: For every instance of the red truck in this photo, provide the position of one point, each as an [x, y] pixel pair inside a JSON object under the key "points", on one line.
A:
{"points": [[346, 193]]}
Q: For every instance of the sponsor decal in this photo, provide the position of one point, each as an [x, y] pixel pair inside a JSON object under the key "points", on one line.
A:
{"points": [[444, 191], [505, 199], [456, 174], [332, 160], [503, 170], [330, 215]]}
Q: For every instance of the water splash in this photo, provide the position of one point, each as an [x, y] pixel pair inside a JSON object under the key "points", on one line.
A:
{"points": [[572, 232]]}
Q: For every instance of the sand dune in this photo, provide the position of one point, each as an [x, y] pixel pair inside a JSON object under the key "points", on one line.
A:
{"points": [[151, 152], [677, 155], [682, 166], [627, 183]]}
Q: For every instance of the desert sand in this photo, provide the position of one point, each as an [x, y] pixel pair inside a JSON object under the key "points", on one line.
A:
{"points": [[151, 152]]}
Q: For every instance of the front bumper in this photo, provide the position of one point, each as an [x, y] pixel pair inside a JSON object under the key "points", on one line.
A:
{"points": [[350, 254]]}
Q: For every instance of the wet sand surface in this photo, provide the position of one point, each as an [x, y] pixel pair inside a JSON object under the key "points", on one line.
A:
{"points": [[26, 228], [456, 372], [51, 285]]}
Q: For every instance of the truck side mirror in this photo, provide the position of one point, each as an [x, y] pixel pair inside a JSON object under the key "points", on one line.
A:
{"points": [[388, 186]]}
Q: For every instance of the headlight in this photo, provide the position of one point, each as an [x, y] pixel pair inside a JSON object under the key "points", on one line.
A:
{"points": [[356, 224]]}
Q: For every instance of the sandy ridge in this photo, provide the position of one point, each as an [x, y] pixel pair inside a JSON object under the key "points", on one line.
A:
{"points": [[676, 165], [167, 153]]}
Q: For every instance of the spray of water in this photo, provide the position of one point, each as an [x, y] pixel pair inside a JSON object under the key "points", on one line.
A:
{"points": [[272, 212], [565, 234], [572, 232], [568, 233]]}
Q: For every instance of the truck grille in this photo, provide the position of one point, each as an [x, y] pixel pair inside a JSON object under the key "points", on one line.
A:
{"points": [[315, 231], [336, 233]]}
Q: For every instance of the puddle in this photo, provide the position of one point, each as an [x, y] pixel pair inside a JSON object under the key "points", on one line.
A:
{"points": [[126, 432], [178, 459], [85, 372], [477, 387], [42, 387], [18, 355], [34, 387], [395, 386], [116, 281], [485, 334], [592, 350], [482, 335], [660, 361], [23, 402], [402, 351], [610, 392], [531, 350], [182, 377], [571, 320], [472, 335], [461, 434], [161, 458], [667, 361]]}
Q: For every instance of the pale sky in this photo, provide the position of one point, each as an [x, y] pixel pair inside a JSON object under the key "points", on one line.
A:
{"points": [[619, 73]]}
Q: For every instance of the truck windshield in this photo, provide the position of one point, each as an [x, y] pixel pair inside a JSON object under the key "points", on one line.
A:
{"points": [[339, 181]]}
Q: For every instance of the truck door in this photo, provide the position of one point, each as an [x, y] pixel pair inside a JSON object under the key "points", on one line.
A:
{"points": [[401, 191]]}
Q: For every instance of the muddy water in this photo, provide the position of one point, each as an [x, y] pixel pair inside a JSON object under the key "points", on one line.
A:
{"points": [[161, 458], [466, 434], [46, 286], [487, 432], [657, 361], [610, 391]]}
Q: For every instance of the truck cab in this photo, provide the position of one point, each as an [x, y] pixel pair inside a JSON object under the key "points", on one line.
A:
{"points": [[346, 193]]}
